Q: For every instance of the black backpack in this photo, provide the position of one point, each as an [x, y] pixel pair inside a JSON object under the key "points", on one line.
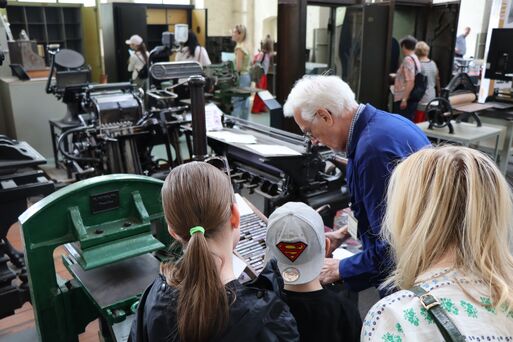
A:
{"points": [[420, 86]]}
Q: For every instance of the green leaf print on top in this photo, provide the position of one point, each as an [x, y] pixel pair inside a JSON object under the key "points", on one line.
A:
{"points": [[469, 309], [388, 337], [411, 317], [399, 328], [427, 316], [508, 314], [487, 303], [449, 306]]}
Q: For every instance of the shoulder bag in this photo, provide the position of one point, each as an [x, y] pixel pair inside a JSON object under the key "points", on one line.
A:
{"points": [[446, 327], [420, 86]]}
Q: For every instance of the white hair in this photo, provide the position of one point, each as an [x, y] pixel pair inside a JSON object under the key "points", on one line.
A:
{"points": [[312, 93]]}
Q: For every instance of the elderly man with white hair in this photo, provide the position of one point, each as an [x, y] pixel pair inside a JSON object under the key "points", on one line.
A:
{"points": [[325, 109]]}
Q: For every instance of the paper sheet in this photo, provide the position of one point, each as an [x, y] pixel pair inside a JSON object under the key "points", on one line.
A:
{"points": [[341, 253], [244, 208], [213, 117], [273, 150], [233, 137], [238, 266], [265, 95]]}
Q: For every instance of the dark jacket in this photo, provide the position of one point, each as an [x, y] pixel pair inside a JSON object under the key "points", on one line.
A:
{"points": [[257, 314], [380, 140]]}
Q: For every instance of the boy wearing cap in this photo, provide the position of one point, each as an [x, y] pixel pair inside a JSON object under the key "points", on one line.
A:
{"points": [[295, 237]]}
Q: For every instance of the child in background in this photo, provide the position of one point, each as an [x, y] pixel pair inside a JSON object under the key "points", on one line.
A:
{"points": [[295, 237]]}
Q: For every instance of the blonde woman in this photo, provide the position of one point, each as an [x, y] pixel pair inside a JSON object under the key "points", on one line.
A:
{"points": [[430, 70], [448, 220], [242, 63]]}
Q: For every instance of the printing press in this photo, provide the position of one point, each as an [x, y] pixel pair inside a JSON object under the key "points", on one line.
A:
{"points": [[108, 226], [457, 101], [21, 182], [112, 226], [107, 128], [278, 167]]}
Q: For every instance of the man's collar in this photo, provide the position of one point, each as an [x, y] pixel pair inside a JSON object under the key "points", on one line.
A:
{"points": [[349, 145]]}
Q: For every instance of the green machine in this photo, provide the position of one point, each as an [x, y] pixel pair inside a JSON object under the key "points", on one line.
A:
{"points": [[109, 226], [226, 84]]}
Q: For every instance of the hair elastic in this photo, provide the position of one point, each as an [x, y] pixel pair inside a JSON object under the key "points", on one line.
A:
{"points": [[197, 229]]}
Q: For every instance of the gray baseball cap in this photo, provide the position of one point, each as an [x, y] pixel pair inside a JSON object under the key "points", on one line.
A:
{"points": [[295, 237]]}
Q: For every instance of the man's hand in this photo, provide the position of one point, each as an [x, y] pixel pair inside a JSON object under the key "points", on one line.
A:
{"points": [[336, 238], [329, 272]]}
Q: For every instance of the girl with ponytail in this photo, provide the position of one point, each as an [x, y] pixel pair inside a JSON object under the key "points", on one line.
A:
{"points": [[198, 298]]}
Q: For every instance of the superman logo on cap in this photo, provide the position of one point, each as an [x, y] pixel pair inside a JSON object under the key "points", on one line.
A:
{"points": [[292, 250]]}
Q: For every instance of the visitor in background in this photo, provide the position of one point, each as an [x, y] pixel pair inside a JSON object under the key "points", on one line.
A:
{"points": [[460, 48], [430, 70], [242, 63], [264, 57], [138, 61], [191, 50], [405, 79]]}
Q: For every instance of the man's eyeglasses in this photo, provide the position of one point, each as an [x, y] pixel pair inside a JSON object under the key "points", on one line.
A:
{"points": [[308, 132]]}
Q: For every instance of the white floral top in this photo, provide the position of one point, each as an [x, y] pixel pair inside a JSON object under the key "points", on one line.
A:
{"points": [[401, 317]]}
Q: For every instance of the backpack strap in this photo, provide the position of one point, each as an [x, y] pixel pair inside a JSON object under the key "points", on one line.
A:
{"points": [[445, 325], [263, 57], [414, 64]]}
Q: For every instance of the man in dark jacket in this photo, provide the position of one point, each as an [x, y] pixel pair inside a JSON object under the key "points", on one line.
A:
{"points": [[256, 312], [325, 109]]}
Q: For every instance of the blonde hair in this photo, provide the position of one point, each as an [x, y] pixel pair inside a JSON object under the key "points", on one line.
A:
{"points": [[451, 199], [242, 31], [197, 194], [422, 49]]}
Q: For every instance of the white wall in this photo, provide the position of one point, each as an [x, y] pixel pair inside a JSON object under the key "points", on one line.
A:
{"points": [[265, 14], [472, 14]]}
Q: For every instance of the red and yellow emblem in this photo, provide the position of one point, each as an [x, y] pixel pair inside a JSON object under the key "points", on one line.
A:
{"points": [[292, 250]]}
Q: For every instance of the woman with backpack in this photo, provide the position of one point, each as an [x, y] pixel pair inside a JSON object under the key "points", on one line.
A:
{"points": [[262, 62], [404, 84], [138, 61]]}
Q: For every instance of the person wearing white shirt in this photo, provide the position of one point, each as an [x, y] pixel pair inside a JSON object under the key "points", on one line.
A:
{"points": [[200, 54], [138, 60]]}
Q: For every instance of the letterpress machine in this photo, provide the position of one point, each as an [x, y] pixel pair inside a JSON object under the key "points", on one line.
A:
{"points": [[109, 226]]}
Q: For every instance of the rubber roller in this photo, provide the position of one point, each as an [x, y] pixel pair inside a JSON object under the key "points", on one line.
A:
{"points": [[461, 99]]}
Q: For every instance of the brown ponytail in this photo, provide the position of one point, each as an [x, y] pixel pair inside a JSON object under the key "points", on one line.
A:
{"points": [[142, 49], [197, 194]]}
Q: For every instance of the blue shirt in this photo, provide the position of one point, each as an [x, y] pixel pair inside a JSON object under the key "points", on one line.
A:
{"points": [[378, 142], [461, 45]]}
